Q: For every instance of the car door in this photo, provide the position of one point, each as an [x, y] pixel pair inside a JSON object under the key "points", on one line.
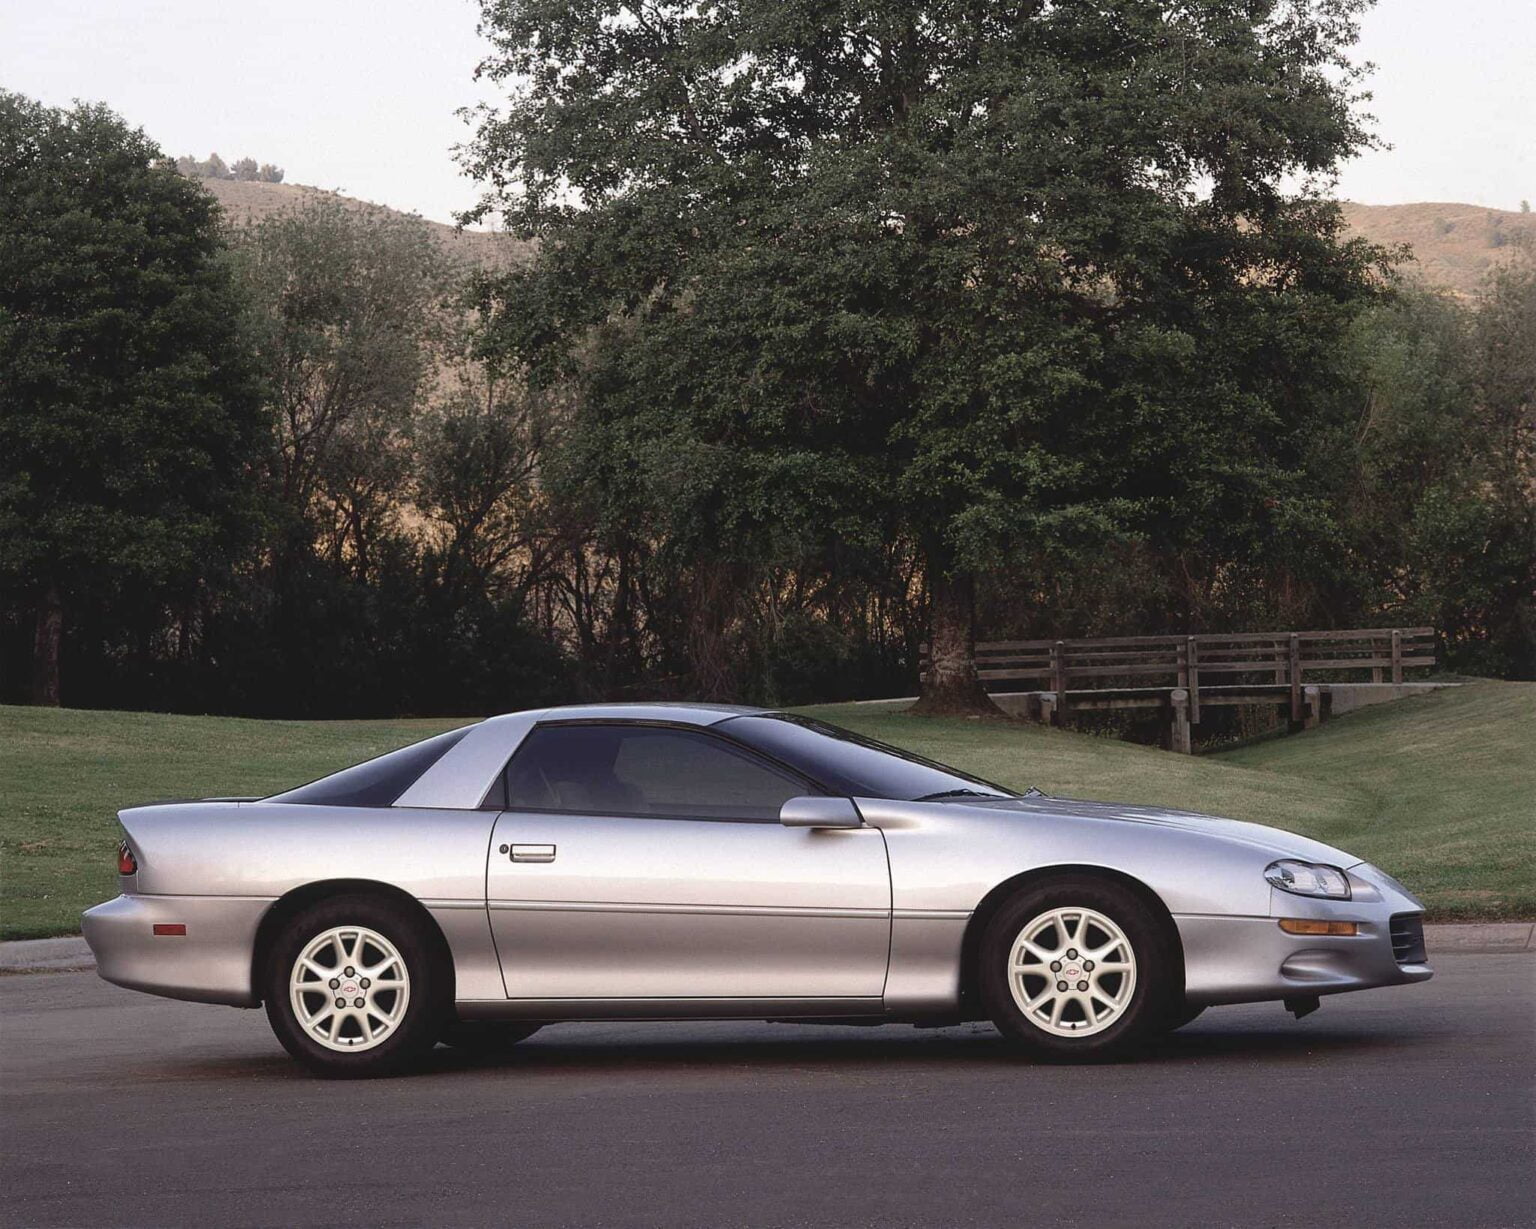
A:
{"points": [[645, 861]]}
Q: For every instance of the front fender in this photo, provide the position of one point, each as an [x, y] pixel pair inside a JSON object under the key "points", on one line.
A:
{"points": [[946, 859]]}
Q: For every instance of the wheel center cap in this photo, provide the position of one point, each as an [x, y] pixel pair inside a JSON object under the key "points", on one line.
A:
{"points": [[1072, 971], [350, 988]]}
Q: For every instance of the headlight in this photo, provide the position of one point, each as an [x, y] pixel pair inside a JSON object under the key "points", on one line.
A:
{"points": [[1308, 879]]}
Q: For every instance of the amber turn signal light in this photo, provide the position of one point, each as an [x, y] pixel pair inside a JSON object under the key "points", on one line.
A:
{"points": [[127, 864], [1311, 926]]}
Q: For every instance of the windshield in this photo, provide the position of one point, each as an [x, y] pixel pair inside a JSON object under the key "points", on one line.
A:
{"points": [[851, 764]]}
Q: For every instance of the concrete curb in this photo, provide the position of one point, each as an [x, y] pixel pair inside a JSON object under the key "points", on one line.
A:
{"points": [[1446, 939], [1481, 937], [46, 956]]}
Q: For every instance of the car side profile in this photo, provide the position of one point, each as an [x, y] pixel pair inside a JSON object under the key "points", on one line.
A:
{"points": [[666, 862]]}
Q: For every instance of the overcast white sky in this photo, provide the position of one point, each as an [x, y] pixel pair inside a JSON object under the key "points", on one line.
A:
{"points": [[360, 95]]}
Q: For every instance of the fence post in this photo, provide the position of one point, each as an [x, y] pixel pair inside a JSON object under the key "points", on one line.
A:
{"points": [[1397, 655], [1279, 661], [1178, 730], [1192, 660], [1295, 677], [1059, 679]]}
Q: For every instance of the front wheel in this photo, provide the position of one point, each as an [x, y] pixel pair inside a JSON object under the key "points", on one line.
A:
{"points": [[355, 987], [1077, 968]]}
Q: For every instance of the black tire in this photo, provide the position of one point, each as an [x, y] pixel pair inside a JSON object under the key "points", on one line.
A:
{"points": [[486, 1036], [430, 992], [1157, 983]]}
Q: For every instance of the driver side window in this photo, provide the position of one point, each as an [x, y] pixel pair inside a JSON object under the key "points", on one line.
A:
{"points": [[644, 770]]}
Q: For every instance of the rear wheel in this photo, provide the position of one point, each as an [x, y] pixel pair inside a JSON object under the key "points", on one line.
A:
{"points": [[1077, 968], [354, 986]]}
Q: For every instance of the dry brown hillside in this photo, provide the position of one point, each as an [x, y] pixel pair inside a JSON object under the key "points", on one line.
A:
{"points": [[1455, 246], [248, 201]]}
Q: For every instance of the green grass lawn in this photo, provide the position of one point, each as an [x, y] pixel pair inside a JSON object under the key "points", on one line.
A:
{"points": [[1439, 790], [65, 773]]}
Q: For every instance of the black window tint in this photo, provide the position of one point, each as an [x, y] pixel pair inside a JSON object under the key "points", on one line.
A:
{"points": [[644, 770], [850, 763], [377, 782]]}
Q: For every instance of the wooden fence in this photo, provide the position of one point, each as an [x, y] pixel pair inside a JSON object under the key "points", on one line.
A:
{"points": [[1226, 668]]}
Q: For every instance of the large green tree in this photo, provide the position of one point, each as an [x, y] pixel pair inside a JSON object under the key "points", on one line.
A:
{"points": [[1002, 279], [1434, 476], [1501, 603], [129, 420], [344, 308]]}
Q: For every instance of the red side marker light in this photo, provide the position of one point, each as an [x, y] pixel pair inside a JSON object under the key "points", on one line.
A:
{"points": [[170, 928], [127, 864]]}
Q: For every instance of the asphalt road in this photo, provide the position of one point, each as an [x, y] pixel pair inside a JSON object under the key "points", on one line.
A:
{"points": [[1410, 1106]]}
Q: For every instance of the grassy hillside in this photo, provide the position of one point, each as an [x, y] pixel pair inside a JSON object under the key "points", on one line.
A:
{"points": [[1444, 788], [65, 773], [1440, 791], [245, 201], [1455, 246]]}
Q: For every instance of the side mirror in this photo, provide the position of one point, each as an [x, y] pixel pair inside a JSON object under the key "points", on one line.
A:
{"points": [[814, 812]]}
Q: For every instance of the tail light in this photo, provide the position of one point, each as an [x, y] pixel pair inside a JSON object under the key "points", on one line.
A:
{"points": [[127, 864]]}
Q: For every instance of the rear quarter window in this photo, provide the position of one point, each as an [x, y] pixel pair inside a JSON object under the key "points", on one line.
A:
{"points": [[376, 782]]}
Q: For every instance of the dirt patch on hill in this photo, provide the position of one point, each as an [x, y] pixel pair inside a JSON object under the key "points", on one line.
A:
{"points": [[1454, 246]]}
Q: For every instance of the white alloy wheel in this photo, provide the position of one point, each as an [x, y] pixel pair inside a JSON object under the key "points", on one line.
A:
{"points": [[349, 988], [1072, 972]]}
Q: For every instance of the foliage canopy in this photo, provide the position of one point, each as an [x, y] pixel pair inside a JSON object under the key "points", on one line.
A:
{"points": [[995, 278], [129, 418]]}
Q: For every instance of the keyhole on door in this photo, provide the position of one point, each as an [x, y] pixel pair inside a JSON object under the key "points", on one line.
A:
{"points": [[503, 849]]}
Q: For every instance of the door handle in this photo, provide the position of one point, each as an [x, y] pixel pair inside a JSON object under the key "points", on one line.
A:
{"points": [[533, 853]]}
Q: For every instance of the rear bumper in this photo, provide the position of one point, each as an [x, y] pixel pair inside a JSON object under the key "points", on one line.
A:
{"points": [[210, 963]]}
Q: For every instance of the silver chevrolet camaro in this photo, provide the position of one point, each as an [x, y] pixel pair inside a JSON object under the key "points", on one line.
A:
{"points": [[666, 862]]}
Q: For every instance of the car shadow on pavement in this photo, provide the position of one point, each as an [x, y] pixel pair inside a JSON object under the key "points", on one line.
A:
{"points": [[610, 1056], [969, 1047]]}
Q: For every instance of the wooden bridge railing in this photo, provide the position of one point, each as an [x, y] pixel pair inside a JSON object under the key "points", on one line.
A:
{"points": [[1227, 667]]}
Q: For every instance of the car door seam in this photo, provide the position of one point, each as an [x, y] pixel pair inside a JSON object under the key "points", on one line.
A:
{"points": [[485, 902], [890, 914]]}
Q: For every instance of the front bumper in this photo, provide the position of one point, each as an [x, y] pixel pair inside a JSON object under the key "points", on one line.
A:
{"points": [[210, 963], [1251, 960]]}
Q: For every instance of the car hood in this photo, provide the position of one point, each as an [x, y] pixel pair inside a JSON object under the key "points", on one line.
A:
{"points": [[1276, 841]]}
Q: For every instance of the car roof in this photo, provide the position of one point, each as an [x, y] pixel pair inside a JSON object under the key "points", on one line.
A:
{"points": [[681, 712]]}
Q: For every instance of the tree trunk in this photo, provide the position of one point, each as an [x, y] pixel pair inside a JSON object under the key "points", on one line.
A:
{"points": [[952, 687], [46, 644], [715, 599]]}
